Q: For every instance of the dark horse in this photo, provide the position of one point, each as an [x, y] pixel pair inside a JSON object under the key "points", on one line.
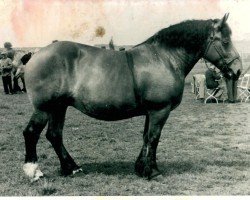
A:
{"points": [[114, 85]]}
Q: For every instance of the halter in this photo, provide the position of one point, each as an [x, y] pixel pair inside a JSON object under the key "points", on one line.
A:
{"points": [[225, 61]]}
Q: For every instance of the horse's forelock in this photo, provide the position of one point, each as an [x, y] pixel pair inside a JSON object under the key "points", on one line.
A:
{"points": [[226, 30]]}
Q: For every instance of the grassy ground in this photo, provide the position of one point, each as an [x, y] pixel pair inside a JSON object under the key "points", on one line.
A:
{"points": [[204, 150]]}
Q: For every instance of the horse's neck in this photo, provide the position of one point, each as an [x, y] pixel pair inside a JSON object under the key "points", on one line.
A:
{"points": [[180, 59]]}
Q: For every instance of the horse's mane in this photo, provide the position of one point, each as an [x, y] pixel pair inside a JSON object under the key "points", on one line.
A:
{"points": [[190, 35]]}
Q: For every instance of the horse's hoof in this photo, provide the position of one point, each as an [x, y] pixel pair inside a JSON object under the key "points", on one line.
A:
{"points": [[77, 171], [32, 171], [71, 171], [143, 171], [154, 175], [38, 175], [146, 171], [139, 168]]}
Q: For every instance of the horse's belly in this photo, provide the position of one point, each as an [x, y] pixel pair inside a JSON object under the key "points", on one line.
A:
{"points": [[109, 112], [106, 99]]}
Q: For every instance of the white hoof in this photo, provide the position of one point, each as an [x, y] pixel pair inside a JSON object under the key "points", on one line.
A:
{"points": [[32, 171], [77, 171]]}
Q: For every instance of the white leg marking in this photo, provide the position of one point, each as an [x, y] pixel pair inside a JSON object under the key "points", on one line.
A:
{"points": [[76, 171], [147, 151], [38, 174], [32, 171]]}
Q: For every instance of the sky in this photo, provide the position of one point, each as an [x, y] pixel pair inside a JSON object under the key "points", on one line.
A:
{"points": [[36, 23]]}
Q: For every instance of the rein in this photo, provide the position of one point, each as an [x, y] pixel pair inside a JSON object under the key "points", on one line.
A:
{"points": [[206, 64]]}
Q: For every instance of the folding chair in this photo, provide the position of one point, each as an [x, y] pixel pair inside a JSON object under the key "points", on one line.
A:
{"points": [[244, 88], [197, 90], [211, 94]]}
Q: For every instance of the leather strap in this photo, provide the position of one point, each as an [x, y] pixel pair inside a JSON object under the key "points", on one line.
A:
{"points": [[130, 62]]}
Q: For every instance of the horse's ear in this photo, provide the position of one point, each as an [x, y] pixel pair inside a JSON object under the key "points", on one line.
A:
{"points": [[222, 21]]}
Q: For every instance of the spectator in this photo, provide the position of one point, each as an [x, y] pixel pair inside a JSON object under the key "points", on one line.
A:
{"points": [[213, 81], [6, 68], [10, 54], [10, 51], [111, 44]]}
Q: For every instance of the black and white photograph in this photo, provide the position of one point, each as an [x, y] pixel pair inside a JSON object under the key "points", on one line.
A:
{"points": [[108, 98]]}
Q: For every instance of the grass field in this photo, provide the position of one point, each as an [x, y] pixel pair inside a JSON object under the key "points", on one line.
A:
{"points": [[204, 150]]}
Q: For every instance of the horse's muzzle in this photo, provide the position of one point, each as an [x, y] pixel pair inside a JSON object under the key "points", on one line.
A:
{"points": [[235, 69]]}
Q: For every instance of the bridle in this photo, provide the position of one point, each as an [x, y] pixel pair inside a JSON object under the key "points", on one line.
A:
{"points": [[224, 67]]}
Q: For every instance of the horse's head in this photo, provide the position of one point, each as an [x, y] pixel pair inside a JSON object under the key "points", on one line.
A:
{"points": [[220, 51]]}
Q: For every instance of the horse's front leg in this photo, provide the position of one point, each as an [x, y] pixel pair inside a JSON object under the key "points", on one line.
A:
{"points": [[146, 165], [54, 135]]}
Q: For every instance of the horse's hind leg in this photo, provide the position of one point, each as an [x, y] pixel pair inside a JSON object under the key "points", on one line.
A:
{"points": [[54, 135], [31, 135], [146, 163]]}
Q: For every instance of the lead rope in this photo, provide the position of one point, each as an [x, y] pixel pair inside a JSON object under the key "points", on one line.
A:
{"points": [[206, 64]]}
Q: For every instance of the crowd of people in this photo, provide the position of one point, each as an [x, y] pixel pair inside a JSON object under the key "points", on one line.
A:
{"points": [[8, 70]]}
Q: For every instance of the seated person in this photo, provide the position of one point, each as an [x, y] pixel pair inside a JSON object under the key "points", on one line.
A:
{"points": [[213, 80]]}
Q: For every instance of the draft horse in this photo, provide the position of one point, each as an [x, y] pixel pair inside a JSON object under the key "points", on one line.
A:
{"points": [[114, 85]]}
